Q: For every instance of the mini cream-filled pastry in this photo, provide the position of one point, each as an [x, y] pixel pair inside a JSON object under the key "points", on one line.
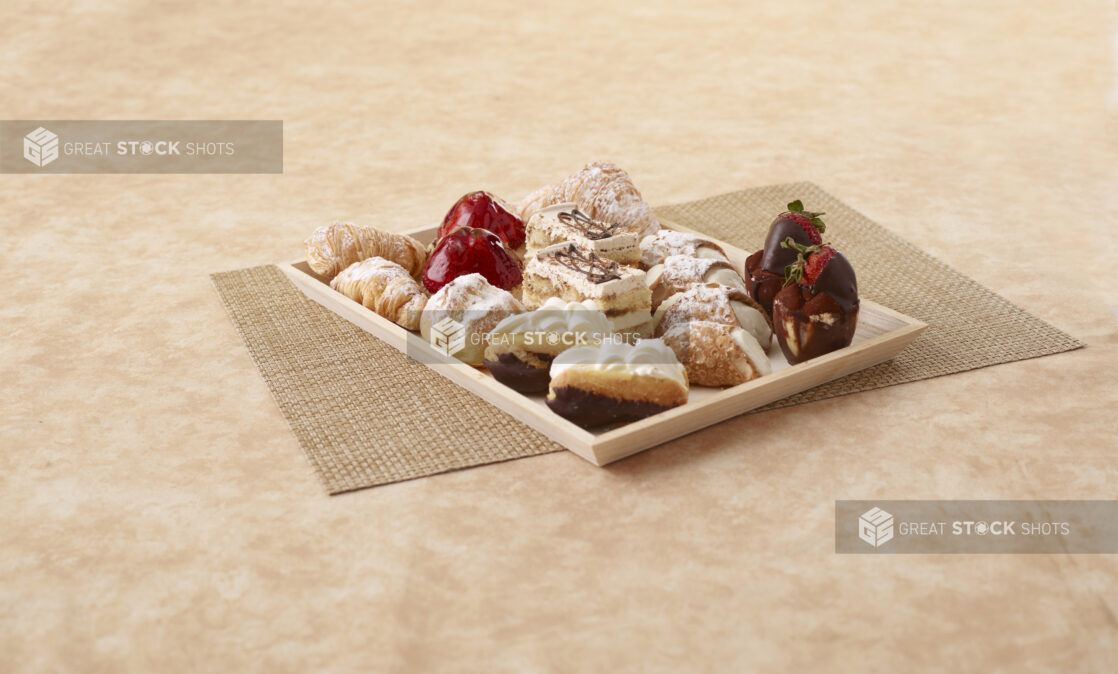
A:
{"points": [[474, 306], [333, 247], [601, 190], [565, 222], [717, 303], [575, 274], [386, 288], [520, 349], [616, 382], [716, 354], [680, 273], [655, 248]]}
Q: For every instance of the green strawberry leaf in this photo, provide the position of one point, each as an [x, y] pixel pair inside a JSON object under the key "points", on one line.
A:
{"points": [[796, 206]]}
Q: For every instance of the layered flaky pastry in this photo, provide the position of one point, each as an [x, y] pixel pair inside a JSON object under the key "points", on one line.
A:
{"points": [[386, 288], [601, 190], [715, 354], [331, 248]]}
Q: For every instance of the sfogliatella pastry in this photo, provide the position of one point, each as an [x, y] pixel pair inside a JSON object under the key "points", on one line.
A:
{"points": [[601, 190], [717, 303], [575, 274], [520, 349], [616, 382], [716, 354], [817, 312], [655, 248], [386, 288], [565, 222], [476, 307], [764, 270], [680, 273], [333, 247]]}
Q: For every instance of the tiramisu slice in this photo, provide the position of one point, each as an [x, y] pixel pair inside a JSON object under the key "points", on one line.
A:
{"points": [[574, 274], [564, 222]]}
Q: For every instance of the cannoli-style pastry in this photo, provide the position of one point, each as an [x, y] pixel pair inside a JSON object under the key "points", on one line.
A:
{"points": [[384, 287], [332, 248], [616, 382], [717, 303], [716, 354], [520, 349], [655, 248], [680, 273]]}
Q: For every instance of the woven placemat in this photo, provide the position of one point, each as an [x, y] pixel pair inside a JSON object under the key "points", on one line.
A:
{"points": [[366, 415]]}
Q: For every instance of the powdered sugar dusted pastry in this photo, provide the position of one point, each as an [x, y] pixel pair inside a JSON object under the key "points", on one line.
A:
{"points": [[668, 242], [604, 192], [574, 274], [333, 247], [473, 305], [565, 222], [679, 273], [520, 349], [598, 385], [715, 354], [386, 288], [717, 303]]}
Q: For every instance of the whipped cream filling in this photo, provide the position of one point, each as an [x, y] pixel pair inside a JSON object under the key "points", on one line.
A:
{"points": [[648, 357], [558, 316], [752, 349]]}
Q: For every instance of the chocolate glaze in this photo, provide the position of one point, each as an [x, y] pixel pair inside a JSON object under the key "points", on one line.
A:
{"points": [[592, 229], [592, 409], [596, 269], [762, 285], [775, 258], [518, 375], [838, 280], [798, 304]]}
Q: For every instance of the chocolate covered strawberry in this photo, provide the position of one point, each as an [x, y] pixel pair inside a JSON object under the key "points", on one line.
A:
{"points": [[468, 250], [484, 211], [816, 311], [764, 270]]}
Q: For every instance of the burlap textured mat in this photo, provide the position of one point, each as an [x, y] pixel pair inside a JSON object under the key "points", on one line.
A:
{"points": [[366, 415]]}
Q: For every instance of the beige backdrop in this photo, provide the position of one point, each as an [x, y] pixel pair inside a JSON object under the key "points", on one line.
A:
{"points": [[157, 515]]}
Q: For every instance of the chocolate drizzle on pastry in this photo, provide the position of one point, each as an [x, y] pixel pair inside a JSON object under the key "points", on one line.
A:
{"points": [[594, 230], [594, 268]]}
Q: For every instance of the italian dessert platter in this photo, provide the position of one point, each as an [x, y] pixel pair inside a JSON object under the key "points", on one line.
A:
{"points": [[579, 312]]}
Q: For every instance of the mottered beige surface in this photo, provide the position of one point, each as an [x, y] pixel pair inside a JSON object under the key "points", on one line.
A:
{"points": [[157, 514]]}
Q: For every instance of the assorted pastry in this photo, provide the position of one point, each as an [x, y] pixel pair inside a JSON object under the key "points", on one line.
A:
{"points": [[475, 305], [577, 293], [577, 274], [565, 222], [520, 350], [616, 382]]}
